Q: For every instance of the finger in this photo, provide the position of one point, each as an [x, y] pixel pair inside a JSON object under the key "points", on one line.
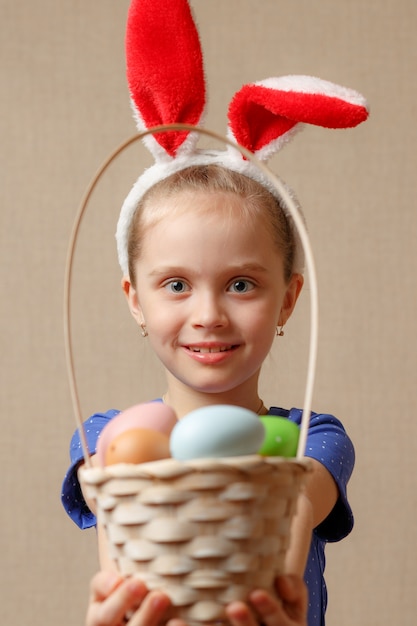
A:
{"points": [[175, 621], [239, 614], [269, 609], [102, 584], [127, 596], [151, 610]]}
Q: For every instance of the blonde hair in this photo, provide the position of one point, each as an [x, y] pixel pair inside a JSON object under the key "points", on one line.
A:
{"points": [[256, 201]]}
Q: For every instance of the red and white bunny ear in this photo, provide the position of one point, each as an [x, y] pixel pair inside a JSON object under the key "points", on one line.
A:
{"points": [[167, 86], [164, 69], [263, 116]]}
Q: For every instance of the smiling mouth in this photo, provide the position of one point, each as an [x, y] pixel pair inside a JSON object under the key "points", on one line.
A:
{"points": [[203, 350]]}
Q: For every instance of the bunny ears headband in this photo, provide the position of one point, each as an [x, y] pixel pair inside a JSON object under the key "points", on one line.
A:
{"points": [[167, 86]]}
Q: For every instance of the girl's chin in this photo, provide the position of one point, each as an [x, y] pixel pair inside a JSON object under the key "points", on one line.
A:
{"points": [[213, 385]]}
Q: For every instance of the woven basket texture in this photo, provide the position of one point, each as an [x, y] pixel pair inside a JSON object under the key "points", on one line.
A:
{"points": [[207, 532]]}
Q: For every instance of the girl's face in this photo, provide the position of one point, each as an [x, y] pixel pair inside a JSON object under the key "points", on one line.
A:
{"points": [[210, 288]]}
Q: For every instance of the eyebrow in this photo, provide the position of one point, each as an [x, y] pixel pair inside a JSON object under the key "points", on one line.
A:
{"points": [[234, 269], [247, 267]]}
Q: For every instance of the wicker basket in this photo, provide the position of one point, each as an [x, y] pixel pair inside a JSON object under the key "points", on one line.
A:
{"points": [[206, 532]]}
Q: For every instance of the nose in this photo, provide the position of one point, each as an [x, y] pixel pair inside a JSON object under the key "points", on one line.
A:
{"points": [[208, 311]]}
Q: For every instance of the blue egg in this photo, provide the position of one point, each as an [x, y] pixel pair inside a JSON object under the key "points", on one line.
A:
{"points": [[220, 430]]}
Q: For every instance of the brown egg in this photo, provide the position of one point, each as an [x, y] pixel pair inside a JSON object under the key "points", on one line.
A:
{"points": [[150, 415], [138, 445]]}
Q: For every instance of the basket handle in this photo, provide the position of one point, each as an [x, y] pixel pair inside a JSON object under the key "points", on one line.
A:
{"points": [[305, 242]]}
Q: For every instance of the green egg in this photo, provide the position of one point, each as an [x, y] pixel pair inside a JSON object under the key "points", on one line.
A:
{"points": [[281, 436]]}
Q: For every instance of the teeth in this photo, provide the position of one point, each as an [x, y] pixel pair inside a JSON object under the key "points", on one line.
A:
{"points": [[207, 350]]}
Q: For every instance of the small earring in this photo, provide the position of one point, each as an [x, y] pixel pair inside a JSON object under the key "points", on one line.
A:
{"points": [[279, 331], [144, 332]]}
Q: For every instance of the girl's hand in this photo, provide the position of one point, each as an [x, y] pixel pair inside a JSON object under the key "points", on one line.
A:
{"points": [[289, 608], [112, 598]]}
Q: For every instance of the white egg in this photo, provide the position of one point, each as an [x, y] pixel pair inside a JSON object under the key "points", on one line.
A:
{"points": [[220, 430]]}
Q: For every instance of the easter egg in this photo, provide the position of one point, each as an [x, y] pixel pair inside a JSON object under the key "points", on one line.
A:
{"points": [[150, 415], [216, 431], [281, 436], [139, 445]]}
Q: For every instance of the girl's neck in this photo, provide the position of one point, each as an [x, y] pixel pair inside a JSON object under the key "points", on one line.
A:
{"points": [[184, 401]]}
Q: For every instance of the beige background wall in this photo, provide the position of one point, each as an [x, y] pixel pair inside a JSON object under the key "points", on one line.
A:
{"points": [[64, 106]]}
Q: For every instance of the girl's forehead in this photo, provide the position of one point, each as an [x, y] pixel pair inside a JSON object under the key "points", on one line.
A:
{"points": [[208, 228], [209, 206]]}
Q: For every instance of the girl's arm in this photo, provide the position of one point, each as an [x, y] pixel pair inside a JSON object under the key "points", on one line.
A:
{"points": [[106, 563], [314, 505]]}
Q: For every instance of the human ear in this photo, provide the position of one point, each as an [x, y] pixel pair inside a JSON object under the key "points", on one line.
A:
{"points": [[290, 298], [132, 300]]}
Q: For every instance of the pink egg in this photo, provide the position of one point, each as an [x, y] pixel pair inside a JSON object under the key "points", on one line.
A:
{"points": [[150, 415]]}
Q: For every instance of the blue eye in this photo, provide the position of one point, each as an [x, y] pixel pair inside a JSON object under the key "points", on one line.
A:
{"points": [[176, 286], [241, 286]]}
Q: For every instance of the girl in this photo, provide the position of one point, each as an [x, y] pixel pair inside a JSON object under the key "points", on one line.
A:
{"points": [[212, 270], [211, 283]]}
